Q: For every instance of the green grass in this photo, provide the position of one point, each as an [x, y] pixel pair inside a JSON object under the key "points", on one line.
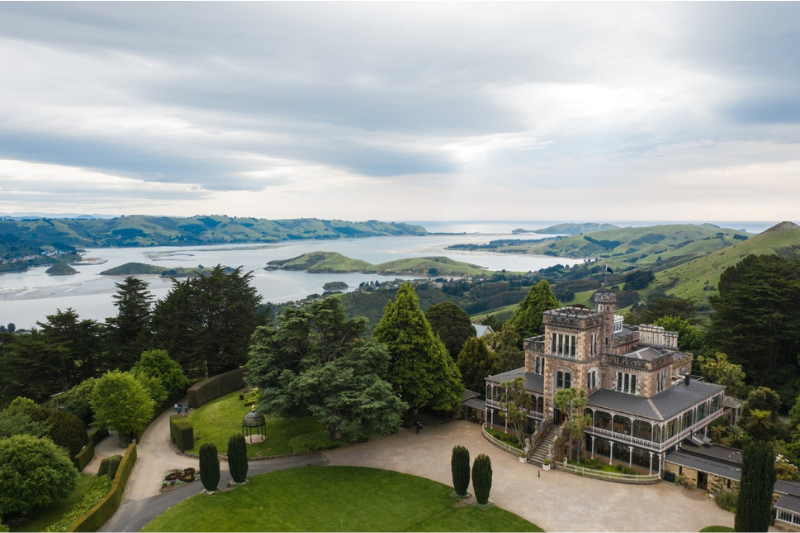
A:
{"points": [[218, 420], [335, 498], [717, 528], [316, 262], [41, 518]]}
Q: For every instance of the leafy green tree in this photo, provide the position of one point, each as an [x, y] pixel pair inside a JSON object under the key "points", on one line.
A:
{"points": [[33, 473], [126, 333], [571, 402], [317, 361], [505, 343], [754, 505], [516, 402], [209, 467], [482, 478], [237, 458], [757, 321], [690, 339], [77, 400], [452, 324], [17, 419], [420, 370], [476, 362], [719, 370], [121, 403], [153, 385], [459, 467], [760, 414], [157, 364], [527, 318], [205, 322]]}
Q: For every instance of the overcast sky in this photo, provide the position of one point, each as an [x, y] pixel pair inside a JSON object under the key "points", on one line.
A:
{"points": [[402, 111]]}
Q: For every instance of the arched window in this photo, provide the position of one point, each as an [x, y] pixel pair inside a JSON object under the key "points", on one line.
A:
{"points": [[591, 379]]}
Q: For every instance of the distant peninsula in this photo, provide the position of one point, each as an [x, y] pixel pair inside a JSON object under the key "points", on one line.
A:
{"points": [[332, 262], [133, 269], [568, 229]]}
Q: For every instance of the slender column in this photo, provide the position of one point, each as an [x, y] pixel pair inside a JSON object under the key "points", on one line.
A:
{"points": [[651, 464], [630, 460], [593, 446], [660, 462], [611, 452]]}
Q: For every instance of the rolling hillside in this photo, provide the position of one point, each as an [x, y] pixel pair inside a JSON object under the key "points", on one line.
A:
{"points": [[568, 229], [332, 262], [699, 278]]}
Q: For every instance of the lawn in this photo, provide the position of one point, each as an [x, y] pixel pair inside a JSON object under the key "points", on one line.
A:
{"points": [[41, 518], [218, 420], [335, 498]]}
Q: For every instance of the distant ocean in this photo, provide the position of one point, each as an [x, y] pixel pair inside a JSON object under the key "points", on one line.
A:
{"points": [[502, 227]]}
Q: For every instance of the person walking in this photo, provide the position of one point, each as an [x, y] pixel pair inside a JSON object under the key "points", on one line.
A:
{"points": [[419, 426]]}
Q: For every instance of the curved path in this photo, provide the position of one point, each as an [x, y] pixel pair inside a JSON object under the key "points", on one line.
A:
{"points": [[555, 501]]}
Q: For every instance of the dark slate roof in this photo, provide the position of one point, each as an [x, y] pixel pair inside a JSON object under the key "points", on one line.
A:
{"points": [[645, 353], [791, 488], [675, 399], [533, 382], [662, 406], [624, 332], [717, 451], [469, 394], [475, 404], [788, 503], [705, 465]]}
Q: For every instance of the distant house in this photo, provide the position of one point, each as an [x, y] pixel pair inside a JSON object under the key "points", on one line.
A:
{"points": [[482, 330]]}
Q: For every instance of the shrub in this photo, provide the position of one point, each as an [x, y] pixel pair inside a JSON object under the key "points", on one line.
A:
{"points": [[727, 500], [92, 497], [102, 470], [181, 432], [459, 466], [212, 388], [33, 473], [68, 431], [84, 457], [209, 467], [311, 442], [482, 478], [113, 465], [237, 458]]}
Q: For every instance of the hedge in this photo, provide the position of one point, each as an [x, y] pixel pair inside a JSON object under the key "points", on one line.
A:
{"points": [[96, 435], [85, 456], [181, 432], [100, 513], [312, 442], [212, 388]]}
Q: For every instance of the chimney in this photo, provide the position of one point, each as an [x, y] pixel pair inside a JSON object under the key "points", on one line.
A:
{"points": [[687, 379]]}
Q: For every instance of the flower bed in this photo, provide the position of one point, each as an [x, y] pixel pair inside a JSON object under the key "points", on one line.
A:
{"points": [[176, 478]]}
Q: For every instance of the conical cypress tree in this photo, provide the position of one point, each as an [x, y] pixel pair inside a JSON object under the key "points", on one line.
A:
{"points": [[237, 458], [482, 478], [754, 505], [459, 465], [209, 467]]}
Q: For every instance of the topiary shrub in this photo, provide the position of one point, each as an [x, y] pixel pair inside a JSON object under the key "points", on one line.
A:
{"points": [[482, 478], [113, 465], [68, 431], [102, 470], [209, 467], [181, 432], [237, 458], [459, 466]]}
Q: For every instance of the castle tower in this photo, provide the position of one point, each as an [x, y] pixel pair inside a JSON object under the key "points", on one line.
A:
{"points": [[607, 306]]}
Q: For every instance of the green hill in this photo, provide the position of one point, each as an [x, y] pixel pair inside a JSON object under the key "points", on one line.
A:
{"points": [[61, 269], [568, 229], [27, 237], [699, 278], [133, 269], [332, 262]]}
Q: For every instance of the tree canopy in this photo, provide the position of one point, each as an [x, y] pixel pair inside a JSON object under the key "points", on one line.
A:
{"points": [[157, 364], [318, 361], [505, 343], [420, 369], [120, 402], [476, 362], [452, 324], [527, 318], [754, 504], [127, 332]]}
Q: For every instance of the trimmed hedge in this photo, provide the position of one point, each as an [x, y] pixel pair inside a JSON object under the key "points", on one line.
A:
{"points": [[102, 470], [96, 435], [85, 456], [311, 442], [181, 432], [100, 513], [212, 388], [113, 465]]}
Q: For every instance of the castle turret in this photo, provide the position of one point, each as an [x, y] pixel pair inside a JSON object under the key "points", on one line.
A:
{"points": [[607, 306]]}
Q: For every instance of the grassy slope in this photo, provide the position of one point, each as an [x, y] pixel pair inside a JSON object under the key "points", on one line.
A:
{"points": [[41, 518], [569, 229], [316, 262], [692, 276], [335, 498], [218, 420]]}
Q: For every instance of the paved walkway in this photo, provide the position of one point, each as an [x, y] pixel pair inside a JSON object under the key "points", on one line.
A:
{"points": [[555, 501]]}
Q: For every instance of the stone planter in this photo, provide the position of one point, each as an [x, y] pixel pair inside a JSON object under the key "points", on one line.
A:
{"points": [[545, 467], [523, 459]]}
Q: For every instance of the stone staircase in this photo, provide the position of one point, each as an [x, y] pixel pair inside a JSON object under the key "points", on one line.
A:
{"points": [[540, 452]]}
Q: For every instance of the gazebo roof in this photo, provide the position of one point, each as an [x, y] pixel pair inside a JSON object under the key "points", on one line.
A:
{"points": [[253, 419]]}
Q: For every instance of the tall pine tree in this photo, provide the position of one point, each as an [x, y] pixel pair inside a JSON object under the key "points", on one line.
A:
{"points": [[754, 505], [421, 370], [126, 332], [527, 318]]}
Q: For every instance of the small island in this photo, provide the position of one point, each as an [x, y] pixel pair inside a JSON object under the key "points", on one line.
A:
{"points": [[568, 229], [134, 269], [335, 286], [61, 269], [335, 263]]}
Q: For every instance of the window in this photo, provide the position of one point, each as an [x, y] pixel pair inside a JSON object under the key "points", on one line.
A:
{"points": [[538, 365], [591, 379], [563, 380], [661, 380], [593, 345], [626, 383], [563, 345]]}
